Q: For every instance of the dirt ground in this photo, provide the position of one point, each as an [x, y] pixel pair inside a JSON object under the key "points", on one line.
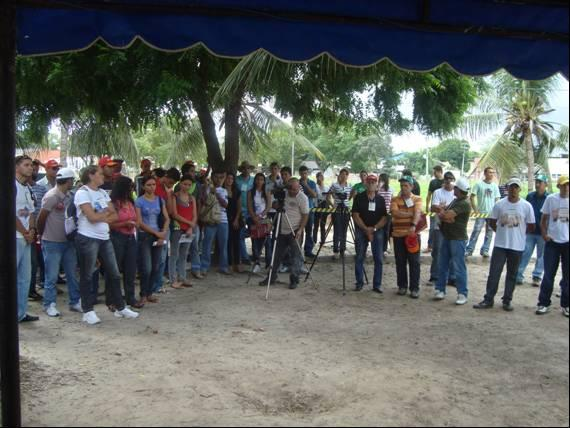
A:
{"points": [[220, 354]]}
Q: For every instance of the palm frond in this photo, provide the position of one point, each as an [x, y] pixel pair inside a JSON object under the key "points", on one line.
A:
{"points": [[505, 155], [477, 125], [186, 144]]}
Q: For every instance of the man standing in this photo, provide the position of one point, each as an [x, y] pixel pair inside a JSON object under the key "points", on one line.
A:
{"points": [[406, 214], [291, 233], [108, 166], [25, 234], [536, 199], [55, 245], [39, 192], [370, 216], [416, 189], [555, 227], [146, 171], [511, 218], [487, 194], [244, 183], [340, 193], [51, 167], [434, 185], [453, 227], [442, 197], [310, 190]]}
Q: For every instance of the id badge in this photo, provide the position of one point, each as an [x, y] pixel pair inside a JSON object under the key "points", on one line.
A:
{"points": [[372, 207], [409, 203]]}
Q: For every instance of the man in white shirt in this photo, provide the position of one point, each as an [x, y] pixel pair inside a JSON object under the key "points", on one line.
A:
{"points": [[512, 218], [440, 199], [291, 233], [25, 234], [555, 231]]}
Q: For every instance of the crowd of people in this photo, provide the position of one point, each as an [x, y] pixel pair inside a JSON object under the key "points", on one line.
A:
{"points": [[178, 221]]}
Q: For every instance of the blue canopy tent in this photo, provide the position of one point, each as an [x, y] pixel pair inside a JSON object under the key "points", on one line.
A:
{"points": [[528, 38]]}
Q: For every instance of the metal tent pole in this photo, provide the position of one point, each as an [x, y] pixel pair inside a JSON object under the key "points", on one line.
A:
{"points": [[9, 347]]}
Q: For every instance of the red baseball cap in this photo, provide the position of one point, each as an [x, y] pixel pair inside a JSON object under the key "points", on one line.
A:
{"points": [[371, 178], [106, 161], [52, 163]]}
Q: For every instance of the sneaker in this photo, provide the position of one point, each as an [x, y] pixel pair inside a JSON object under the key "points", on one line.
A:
{"points": [[30, 318], [293, 285], [52, 311], [377, 290], [76, 308], [468, 254], [542, 310], [197, 275], [283, 269], [566, 312], [483, 305], [536, 282], [415, 294], [304, 270], [508, 307], [359, 288], [440, 295], [461, 300], [485, 254], [91, 318], [402, 292], [257, 268], [126, 313]]}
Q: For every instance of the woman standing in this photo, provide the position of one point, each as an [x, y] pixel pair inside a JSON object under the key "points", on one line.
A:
{"points": [[321, 218], [386, 192], [153, 223], [258, 205], [185, 216], [235, 222], [123, 236], [94, 214]]}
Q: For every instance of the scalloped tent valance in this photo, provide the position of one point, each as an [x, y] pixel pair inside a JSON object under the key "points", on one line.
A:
{"points": [[528, 38]]}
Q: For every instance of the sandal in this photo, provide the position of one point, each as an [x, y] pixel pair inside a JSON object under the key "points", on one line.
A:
{"points": [[152, 299], [177, 285], [186, 285], [138, 305]]}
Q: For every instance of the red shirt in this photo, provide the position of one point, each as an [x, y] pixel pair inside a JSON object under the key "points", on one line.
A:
{"points": [[126, 212], [161, 191]]}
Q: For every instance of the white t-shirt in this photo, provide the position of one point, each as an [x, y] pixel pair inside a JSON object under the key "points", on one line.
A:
{"points": [[322, 193], [24, 206], [295, 208], [557, 210], [99, 200], [223, 193], [259, 203], [441, 197], [512, 220], [338, 188]]}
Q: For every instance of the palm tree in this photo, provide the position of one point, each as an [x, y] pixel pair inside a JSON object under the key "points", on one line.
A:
{"points": [[519, 107]]}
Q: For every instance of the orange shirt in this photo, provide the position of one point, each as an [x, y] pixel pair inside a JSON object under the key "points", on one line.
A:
{"points": [[402, 225]]}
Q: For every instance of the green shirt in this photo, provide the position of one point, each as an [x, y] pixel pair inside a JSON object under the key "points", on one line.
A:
{"points": [[359, 188], [457, 231], [487, 195]]}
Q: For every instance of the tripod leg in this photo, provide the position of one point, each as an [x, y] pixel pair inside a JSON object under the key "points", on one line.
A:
{"points": [[301, 252], [272, 267], [319, 251]]}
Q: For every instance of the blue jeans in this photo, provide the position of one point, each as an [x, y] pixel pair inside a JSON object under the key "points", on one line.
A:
{"points": [[554, 254], [452, 260], [220, 233], [480, 223], [178, 256], [159, 280], [195, 250], [437, 240], [377, 252], [150, 258], [24, 272], [532, 241], [88, 250], [54, 254], [309, 243]]}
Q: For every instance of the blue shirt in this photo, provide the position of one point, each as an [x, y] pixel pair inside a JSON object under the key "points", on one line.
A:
{"points": [[537, 202], [244, 186], [149, 211], [313, 187]]}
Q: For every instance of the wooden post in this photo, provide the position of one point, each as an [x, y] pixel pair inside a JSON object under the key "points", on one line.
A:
{"points": [[9, 346]]}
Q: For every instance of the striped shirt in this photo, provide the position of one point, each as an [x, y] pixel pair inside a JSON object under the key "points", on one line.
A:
{"points": [[339, 188], [402, 225], [387, 195], [39, 191]]}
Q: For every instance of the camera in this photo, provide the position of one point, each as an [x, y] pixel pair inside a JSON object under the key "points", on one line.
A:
{"points": [[280, 195]]}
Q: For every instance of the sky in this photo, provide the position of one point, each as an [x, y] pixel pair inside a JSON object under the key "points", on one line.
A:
{"points": [[411, 141]]}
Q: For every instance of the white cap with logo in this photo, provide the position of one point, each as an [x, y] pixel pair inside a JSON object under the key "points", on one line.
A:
{"points": [[463, 185], [65, 173], [514, 181]]}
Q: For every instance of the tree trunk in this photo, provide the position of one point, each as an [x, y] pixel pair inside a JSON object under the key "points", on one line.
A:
{"points": [[529, 158], [215, 159], [64, 146], [232, 128]]}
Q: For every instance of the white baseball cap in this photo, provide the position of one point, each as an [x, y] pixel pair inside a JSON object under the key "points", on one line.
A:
{"points": [[65, 173], [463, 185], [514, 181]]}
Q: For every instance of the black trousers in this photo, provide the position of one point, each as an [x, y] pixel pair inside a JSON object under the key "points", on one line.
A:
{"points": [[404, 259], [500, 257]]}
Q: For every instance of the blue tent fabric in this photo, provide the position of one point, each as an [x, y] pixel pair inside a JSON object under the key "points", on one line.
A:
{"points": [[475, 37]]}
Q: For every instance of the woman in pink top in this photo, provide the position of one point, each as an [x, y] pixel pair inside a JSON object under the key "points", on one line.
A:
{"points": [[123, 236]]}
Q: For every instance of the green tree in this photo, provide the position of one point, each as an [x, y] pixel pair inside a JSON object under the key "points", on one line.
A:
{"points": [[194, 90], [455, 151], [519, 107]]}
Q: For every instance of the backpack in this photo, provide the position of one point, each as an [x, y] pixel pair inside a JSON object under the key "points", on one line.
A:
{"points": [[210, 211], [71, 219]]}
